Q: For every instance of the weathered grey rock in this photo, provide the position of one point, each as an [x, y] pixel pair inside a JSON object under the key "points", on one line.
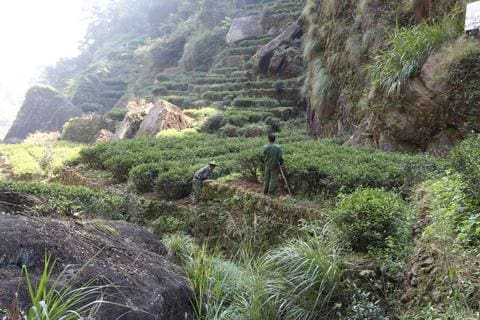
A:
{"points": [[87, 128], [118, 252], [442, 143], [245, 28], [264, 55], [44, 110], [146, 120], [104, 136]]}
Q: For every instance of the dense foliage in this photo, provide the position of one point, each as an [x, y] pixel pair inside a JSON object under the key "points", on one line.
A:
{"points": [[167, 164], [368, 217], [70, 200]]}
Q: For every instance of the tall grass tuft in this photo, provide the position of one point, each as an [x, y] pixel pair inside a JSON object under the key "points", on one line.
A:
{"points": [[408, 49], [305, 278], [61, 301]]}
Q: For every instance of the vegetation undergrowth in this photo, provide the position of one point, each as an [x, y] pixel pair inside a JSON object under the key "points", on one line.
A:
{"points": [[166, 164], [72, 200], [38, 160]]}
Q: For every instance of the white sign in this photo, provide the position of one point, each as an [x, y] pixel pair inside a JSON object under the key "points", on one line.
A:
{"points": [[472, 19]]}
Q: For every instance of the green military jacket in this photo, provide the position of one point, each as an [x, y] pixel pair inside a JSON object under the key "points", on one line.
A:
{"points": [[273, 156]]}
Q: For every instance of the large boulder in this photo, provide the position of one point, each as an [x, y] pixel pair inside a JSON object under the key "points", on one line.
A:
{"points": [[146, 284], [45, 110], [263, 57], [147, 120], [87, 128], [245, 28]]}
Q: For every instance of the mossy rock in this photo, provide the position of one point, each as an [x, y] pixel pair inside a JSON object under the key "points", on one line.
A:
{"points": [[85, 129]]}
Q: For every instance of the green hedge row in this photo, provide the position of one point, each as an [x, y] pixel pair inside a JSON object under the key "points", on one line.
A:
{"points": [[166, 164]]}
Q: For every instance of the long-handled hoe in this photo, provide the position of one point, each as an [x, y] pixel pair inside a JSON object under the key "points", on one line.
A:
{"points": [[285, 180]]}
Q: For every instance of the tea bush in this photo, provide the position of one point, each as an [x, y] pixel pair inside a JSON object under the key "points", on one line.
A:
{"points": [[254, 102], [312, 167], [116, 114], [368, 217]]}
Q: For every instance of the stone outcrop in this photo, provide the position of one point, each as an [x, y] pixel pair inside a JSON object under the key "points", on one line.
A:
{"points": [[146, 284], [86, 129], [428, 121], [147, 120], [45, 110], [264, 58], [245, 28]]}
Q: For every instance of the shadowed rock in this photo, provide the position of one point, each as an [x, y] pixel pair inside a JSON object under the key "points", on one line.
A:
{"points": [[263, 57], [45, 110], [118, 252], [146, 120]]}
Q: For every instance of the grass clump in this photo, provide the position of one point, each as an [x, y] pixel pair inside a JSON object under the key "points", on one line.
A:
{"points": [[306, 278], [116, 114], [51, 299], [409, 47]]}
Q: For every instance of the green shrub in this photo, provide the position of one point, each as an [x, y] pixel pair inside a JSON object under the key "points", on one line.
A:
{"points": [[116, 114], [174, 183], [364, 306], [457, 207], [252, 102], [219, 95], [213, 123], [465, 158], [144, 176], [273, 124], [368, 217], [93, 107], [230, 131], [180, 101]]}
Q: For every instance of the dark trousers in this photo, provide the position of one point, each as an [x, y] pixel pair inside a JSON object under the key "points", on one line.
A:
{"points": [[271, 181]]}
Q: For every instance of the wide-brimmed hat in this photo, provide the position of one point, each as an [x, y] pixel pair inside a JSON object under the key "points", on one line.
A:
{"points": [[213, 163]]}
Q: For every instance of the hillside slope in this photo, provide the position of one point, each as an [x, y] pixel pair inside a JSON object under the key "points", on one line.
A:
{"points": [[193, 54]]}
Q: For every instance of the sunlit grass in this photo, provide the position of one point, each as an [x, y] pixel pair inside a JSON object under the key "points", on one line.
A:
{"points": [[29, 160]]}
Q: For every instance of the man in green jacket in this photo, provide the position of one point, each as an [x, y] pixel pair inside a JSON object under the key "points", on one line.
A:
{"points": [[273, 159]]}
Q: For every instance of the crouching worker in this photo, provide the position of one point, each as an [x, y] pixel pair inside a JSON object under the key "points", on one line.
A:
{"points": [[201, 175], [273, 159]]}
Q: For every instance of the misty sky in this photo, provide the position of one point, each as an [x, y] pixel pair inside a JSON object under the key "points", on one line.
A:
{"points": [[34, 34]]}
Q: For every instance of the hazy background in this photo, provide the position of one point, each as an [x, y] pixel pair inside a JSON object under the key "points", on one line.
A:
{"points": [[34, 34]]}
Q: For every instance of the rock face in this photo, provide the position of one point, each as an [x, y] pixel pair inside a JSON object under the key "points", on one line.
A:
{"points": [[245, 28], [45, 110], [263, 58], [348, 97], [86, 129], [146, 120], [125, 254]]}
